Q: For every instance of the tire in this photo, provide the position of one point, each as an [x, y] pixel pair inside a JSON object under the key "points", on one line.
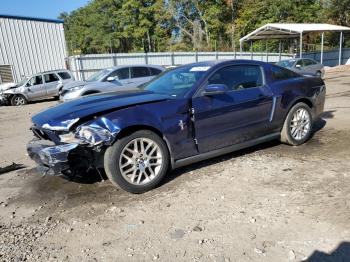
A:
{"points": [[318, 74], [18, 100], [300, 117], [136, 172]]}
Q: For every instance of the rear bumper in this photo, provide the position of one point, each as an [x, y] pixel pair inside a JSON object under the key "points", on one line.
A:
{"points": [[320, 98], [51, 159]]}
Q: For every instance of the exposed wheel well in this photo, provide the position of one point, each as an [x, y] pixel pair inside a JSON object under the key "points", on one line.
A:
{"points": [[305, 101]]}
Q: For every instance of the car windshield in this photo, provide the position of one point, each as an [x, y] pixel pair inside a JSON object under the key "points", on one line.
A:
{"points": [[98, 76], [23, 81], [286, 63], [176, 82]]}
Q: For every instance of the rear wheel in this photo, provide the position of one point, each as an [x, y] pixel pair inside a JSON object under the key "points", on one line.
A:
{"points": [[18, 100], [297, 127], [137, 162]]}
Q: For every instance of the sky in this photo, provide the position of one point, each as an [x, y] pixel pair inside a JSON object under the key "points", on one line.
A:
{"points": [[39, 8]]}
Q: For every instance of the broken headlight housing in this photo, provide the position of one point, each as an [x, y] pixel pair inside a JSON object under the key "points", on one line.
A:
{"points": [[94, 135], [101, 131]]}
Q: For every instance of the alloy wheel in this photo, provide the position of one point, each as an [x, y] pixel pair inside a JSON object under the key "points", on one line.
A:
{"points": [[19, 101], [140, 161], [300, 124]]}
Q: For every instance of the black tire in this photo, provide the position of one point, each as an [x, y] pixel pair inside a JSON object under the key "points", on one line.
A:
{"points": [[318, 74], [286, 133], [18, 100], [112, 159]]}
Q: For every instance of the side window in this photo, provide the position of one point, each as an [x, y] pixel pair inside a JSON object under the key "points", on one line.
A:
{"points": [[154, 71], [300, 62], [36, 80], [122, 73], [238, 77], [308, 62], [64, 75], [279, 73], [139, 72], [50, 78]]}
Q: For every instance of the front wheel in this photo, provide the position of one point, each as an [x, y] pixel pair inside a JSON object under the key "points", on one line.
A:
{"points": [[297, 127], [137, 162], [18, 100]]}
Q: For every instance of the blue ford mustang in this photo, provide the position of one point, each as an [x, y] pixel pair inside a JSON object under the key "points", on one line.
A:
{"points": [[188, 114]]}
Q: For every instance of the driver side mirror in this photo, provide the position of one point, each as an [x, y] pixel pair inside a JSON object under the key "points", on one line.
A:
{"points": [[215, 89]]}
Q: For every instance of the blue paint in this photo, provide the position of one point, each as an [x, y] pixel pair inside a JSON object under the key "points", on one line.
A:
{"points": [[208, 123]]}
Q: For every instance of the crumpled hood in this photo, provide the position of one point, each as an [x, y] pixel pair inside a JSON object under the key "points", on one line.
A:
{"points": [[63, 116], [7, 86]]}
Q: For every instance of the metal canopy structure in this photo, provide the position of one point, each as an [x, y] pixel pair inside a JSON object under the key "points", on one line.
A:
{"points": [[285, 31]]}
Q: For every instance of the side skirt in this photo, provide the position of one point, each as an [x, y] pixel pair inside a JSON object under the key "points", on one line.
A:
{"points": [[225, 150]]}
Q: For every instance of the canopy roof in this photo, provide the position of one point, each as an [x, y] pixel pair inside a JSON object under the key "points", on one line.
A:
{"points": [[280, 31]]}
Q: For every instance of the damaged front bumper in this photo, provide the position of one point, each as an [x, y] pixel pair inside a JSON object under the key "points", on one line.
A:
{"points": [[3, 100], [58, 151], [51, 159]]}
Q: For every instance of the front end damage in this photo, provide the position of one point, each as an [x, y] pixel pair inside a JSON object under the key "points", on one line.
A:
{"points": [[59, 151]]}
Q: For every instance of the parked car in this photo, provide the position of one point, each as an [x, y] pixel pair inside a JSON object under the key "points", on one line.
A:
{"points": [[303, 66], [188, 114], [111, 79], [36, 87]]}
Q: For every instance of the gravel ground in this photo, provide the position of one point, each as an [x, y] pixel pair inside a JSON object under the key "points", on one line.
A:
{"points": [[268, 203]]}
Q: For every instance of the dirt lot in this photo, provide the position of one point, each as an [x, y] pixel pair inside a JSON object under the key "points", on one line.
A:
{"points": [[268, 203]]}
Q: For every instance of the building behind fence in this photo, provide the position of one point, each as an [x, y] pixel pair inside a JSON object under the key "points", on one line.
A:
{"points": [[85, 65], [30, 45]]}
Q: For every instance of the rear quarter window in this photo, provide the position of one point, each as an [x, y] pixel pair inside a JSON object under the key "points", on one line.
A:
{"points": [[280, 73], [64, 75], [139, 72], [155, 71]]}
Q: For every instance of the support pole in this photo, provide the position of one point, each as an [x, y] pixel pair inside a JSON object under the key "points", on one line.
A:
{"points": [[267, 53], [322, 41], [340, 47], [279, 50], [301, 45], [240, 48], [251, 50]]}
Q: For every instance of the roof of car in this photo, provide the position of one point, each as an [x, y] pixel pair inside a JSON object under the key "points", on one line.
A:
{"points": [[224, 61], [297, 59], [53, 71], [135, 65]]}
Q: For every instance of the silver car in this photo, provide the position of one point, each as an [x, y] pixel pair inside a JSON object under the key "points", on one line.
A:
{"points": [[303, 66], [36, 87], [111, 79]]}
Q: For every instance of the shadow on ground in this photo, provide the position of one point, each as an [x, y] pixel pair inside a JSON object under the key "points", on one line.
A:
{"points": [[10, 168], [341, 254]]}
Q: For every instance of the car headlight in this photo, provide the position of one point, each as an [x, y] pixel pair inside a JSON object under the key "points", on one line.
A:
{"points": [[99, 132], [76, 88], [93, 135]]}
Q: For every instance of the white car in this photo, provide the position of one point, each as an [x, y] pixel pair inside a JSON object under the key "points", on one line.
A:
{"points": [[35, 87], [111, 79]]}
